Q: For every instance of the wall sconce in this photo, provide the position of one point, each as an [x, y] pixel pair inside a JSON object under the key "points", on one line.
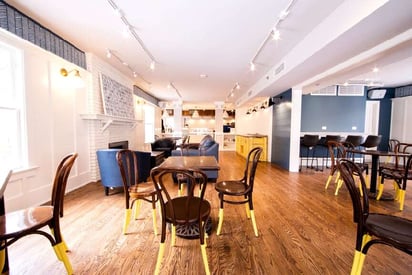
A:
{"points": [[248, 112], [76, 79]]}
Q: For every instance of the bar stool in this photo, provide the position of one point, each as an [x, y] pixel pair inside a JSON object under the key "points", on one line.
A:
{"points": [[371, 141], [309, 142], [356, 141]]}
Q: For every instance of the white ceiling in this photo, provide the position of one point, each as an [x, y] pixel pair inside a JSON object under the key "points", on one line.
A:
{"points": [[322, 43]]}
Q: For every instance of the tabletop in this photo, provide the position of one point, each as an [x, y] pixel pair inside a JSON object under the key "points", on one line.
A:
{"points": [[191, 162], [378, 153]]}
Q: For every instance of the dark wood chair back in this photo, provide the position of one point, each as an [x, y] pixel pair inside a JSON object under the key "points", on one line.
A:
{"points": [[372, 228]]}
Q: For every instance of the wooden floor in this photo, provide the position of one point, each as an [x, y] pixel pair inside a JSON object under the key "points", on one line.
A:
{"points": [[303, 230]]}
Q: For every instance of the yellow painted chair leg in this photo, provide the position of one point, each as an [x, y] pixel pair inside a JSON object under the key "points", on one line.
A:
{"points": [[337, 177], [63, 242], [340, 182], [360, 188], [204, 257], [355, 263], [154, 221], [367, 182], [127, 216], [219, 227], [328, 181], [401, 199], [173, 242], [397, 191], [252, 214], [159, 258], [247, 210], [59, 249], [137, 209], [2, 258], [360, 263], [179, 191], [380, 191]]}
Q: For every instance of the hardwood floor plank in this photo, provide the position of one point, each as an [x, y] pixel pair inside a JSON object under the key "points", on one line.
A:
{"points": [[303, 229]]}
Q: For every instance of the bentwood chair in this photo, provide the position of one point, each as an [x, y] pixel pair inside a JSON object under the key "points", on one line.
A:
{"points": [[181, 211], [372, 228], [240, 188], [134, 191], [400, 178], [21, 223], [336, 152], [325, 156]]}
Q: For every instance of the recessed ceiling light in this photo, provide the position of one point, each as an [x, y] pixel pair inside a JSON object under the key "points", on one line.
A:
{"points": [[375, 70], [203, 75]]}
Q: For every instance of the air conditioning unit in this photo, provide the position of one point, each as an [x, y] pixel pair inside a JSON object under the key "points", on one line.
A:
{"points": [[376, 94]]}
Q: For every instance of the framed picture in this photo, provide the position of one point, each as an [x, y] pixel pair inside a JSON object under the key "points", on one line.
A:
{"points": [[117, 98]]}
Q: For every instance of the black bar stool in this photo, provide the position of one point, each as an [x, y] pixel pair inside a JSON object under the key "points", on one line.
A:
{"points": [[309, 142]]}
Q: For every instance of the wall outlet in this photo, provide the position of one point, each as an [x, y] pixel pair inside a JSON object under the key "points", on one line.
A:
{"points": [[354, 128]]}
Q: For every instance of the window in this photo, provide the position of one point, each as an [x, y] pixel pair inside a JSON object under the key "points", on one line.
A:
{"points": [[13, 137], [149, 123]]}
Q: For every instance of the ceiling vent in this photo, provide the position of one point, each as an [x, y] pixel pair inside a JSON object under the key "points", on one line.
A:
{"points": [[376, 94], [327, 91], [351, 90]]}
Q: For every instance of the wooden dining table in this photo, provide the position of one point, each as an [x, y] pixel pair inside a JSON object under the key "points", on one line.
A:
{"points": [[203, 163], [376, 154]]}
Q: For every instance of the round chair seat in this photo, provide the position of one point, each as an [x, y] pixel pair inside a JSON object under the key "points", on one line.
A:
{"points": [[231, 187]]}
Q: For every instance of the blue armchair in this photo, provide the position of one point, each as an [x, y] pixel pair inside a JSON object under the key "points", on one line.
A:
{"points": [[207, 147], [109, 169]]}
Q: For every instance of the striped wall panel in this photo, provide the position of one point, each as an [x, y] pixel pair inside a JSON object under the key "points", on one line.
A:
{"points": [[26, 28]]}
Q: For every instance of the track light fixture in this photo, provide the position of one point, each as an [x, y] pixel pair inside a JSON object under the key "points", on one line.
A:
{"points": [[130, 31], [110, 54], [232, 91], [171, 85], [273, 34]]}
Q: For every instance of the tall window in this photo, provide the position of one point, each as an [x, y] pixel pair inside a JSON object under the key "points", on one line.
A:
{"points": [[149, 123], [12, 122]]}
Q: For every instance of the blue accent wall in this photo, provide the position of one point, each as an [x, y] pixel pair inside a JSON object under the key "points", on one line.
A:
{"points": [[337, 113], [281, 128]]}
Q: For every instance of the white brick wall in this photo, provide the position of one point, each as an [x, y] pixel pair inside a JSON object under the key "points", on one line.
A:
{"points": [[99, 139]]}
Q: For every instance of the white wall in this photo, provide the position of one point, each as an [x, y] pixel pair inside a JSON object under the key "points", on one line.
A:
{"points": [[259, 122], [54, 127], [100, 137], [401, 119]]}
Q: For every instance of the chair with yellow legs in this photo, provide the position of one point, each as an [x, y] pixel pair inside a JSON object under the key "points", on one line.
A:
{"points": [[400, 178], [20, 223], [240, 188], [336, 152], [134, 191], [372, 228], [184, 210]]}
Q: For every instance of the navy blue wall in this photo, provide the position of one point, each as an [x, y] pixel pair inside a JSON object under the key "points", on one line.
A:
{"points": [[337, 113], [281, 127]]}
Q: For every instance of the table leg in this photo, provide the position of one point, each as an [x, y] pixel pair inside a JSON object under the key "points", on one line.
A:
{"points": [[374, 172], [374, 177]]}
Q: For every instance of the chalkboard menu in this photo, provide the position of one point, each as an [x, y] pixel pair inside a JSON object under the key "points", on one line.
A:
{"points": [[117, 98]]}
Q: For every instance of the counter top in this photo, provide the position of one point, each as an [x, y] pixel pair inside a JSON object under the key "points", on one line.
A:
{"points": [[252, 135]]}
